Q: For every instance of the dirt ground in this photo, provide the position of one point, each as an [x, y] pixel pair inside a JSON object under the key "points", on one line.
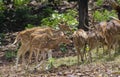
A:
{"points": [[94, 69], [107, 69]]}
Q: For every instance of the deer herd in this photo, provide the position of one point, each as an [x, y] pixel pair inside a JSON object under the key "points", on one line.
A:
{"points": [[40, 41]]}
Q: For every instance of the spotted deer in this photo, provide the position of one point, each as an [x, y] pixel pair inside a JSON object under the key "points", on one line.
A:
{"points": [[94, 40], [110, 32], [25, 37], [44, 42], [80, 40]]}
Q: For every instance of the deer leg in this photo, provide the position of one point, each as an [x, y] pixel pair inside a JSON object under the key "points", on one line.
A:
{"points": [[84, 52], [37, 55], [31, 53], [39, 64], [109, 50], [97, 50], [50, 54], [90, 55], [103, 48], [78, 54], [23, 54], [82, 56], [43, 56], [116, 47], [19, 53]]}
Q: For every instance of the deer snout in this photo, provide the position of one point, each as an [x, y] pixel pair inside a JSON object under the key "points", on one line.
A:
{"points": [[69, 41]]}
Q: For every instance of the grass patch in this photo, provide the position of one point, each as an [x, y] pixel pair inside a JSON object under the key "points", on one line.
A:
{"points": [[71, 60], [10, 55], [101, 57]]}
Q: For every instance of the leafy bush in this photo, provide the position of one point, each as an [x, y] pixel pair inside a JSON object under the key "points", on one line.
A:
{"points": [[50, 63], [20, 16], [10, 55], [103, 15], [29, 26], [2, 36], [13, 19], [56, 18], [99, 2], [118, 1], [63, 48], [20, 2]]}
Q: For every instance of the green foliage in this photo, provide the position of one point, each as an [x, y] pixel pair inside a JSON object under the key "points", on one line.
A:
{"points": [[20, 2], [99, 2], [10, 54], [63, 48], [87, 48], [103, 15], [118, 1], [1, 6], [14, 20], [29, 26], [17, 18], [21, 16], [56, 18], [50, 63], [2, 36]]}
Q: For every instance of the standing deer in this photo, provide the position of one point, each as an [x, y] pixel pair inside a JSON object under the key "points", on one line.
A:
{"points": [[110, 32], [25, 37], [79, 40], [42, 43], [94, 40]]}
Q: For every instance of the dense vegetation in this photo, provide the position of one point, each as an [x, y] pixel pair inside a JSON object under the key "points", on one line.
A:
{"points": [[18, 14]]}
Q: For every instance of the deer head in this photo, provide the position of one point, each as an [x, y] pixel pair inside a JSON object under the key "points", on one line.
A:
{"points": [[64, 39]]}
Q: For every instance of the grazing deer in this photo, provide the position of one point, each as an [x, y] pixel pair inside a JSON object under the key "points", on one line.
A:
{"points": [[42, 43], [35, 43], [49, 31], [79, 40], [110, 32], [94, 40], [116, 22], [25, 37], [100, 29]]}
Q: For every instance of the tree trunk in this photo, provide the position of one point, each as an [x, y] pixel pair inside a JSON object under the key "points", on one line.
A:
{"points": [[83, 14]]}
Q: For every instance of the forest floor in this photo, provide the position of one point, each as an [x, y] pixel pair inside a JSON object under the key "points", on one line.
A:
{"points": [[65, 65]]}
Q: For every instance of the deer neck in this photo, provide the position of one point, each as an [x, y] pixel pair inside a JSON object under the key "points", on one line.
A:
{"points": [[53, 43]]}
